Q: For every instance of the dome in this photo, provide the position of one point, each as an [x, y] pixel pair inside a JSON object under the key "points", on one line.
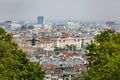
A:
{"points": [[70, 23]]}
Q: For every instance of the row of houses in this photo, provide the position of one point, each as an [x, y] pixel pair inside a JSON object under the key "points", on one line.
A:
{"points": [[49, 43]]}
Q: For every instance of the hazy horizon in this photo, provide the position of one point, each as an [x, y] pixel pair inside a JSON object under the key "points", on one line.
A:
{"points": [[89, 10]]}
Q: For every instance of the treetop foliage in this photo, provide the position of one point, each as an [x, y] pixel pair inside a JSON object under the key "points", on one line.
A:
{"points": [[13, 62], [104, 57]]}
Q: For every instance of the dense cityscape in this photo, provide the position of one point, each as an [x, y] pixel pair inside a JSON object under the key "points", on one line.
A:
{"points": [[59, 40], [58, 47]]}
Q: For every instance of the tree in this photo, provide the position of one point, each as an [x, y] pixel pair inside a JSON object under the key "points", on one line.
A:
{"points": [[13, 62], [103, 55], [71, 48]]}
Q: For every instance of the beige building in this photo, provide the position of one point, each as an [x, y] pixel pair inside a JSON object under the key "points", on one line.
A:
{"points": [[87, 40], [45, 45], [62, 42]]}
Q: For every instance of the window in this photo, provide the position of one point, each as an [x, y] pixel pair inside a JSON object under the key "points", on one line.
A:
{"points": [[78, 39], [74, 39], [59, 40], [63, 40]]}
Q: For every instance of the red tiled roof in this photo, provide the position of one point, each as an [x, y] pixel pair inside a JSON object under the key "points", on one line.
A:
{"points": [[47, 66], [65, 35], [29, 49], [66, 54], [44, 42]]}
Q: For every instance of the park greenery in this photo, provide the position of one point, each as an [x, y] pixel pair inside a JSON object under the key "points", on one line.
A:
{"points": [[103, 55], [14, 65]]}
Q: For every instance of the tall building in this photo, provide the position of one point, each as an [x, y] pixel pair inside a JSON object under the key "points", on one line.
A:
{"points": [[40, 19]]}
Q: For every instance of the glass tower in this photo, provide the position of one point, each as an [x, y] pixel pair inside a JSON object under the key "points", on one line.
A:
{"points": [[40, 19]]}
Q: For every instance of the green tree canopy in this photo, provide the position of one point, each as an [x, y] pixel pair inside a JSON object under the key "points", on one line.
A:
{"points": [[13, 62], [103, 54]]}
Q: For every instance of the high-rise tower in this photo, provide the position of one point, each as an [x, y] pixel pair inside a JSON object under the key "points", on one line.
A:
{"points": [[40, 19]]}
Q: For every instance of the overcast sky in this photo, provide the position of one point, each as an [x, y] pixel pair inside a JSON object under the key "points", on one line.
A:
{"points": [[59, 9]]}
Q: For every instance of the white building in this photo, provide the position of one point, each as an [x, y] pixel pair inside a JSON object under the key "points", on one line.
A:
{"points": [[87, 40], [45, 45], [62, 42], [47, 26], [15, 26], [37, 26]]}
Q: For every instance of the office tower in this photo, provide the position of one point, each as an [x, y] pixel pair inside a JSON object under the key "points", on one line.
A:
{"points": [[40, 19]]}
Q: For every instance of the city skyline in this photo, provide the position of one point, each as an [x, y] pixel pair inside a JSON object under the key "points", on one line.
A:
{"points": [[59, 9]]}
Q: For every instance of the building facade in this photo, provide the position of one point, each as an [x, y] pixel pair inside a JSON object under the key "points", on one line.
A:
{"points": [[40, 19], [62, 42]]}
